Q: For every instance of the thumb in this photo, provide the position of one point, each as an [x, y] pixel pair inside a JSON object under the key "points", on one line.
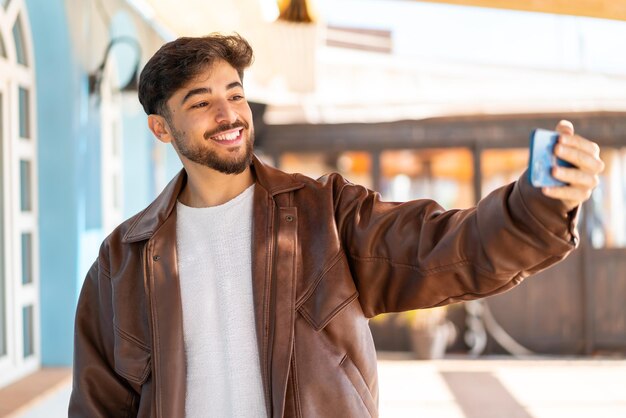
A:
{"points": [[565, 127]]}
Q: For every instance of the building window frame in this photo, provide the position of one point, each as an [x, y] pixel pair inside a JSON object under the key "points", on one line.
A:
{"points": [[111, 150], [19, 150]]}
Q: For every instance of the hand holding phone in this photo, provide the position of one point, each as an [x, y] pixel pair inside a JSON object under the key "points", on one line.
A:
{"points": [[542, 159]]}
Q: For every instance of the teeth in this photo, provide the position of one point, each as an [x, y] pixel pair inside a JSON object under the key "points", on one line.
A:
{"points": [[227, 137]]}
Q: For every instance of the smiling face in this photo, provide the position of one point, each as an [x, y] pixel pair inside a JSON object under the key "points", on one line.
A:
{"points": [[209, 121]]}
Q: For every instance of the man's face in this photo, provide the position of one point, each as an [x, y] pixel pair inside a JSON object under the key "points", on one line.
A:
{"points": [[210, 120]]}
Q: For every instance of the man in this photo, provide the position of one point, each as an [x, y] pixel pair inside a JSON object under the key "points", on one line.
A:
{"points": [[243, 291]]}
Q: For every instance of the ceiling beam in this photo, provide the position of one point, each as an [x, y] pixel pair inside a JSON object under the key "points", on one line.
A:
{"points": [[486, 131], [607, 9]]}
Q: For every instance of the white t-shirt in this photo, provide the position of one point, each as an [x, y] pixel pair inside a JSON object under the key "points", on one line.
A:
{"points": [[215, 267]]}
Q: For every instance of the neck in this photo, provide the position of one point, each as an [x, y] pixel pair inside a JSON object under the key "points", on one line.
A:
{"points": [[207, 187]]}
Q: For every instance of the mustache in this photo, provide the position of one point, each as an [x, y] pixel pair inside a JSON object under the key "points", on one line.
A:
{"points": [[227, 127]]}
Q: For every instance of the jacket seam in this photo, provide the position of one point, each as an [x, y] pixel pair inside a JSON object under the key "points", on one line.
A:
{"points": [[129, 237], [142, 237], [131, 339], [137, 379], [437, 269], [543, 224], [155, 331], [294, 378], [129, 234], [307, 294], [331, 315], [267, 299], [343, 367], [104, 270], [518, 278], [129, 403], [340, 191], [286, 188], [347, 357]]}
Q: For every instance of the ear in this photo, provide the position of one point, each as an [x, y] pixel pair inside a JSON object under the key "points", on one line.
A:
{"points": [[159, 127]]}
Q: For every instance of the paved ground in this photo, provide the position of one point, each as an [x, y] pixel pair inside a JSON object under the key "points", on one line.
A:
{"points": [[502, 388], [53, 407], [484, 388]]}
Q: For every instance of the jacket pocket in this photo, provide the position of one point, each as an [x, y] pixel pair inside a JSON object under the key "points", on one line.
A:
{"points": [[329, 295], [132, 358], [356, 378]]}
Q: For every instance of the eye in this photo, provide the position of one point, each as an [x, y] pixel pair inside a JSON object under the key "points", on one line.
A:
{"points": [[199, 105], [237, 98]]}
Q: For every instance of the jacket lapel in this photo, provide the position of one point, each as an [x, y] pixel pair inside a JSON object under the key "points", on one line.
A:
{"points": [[284, 305], [157, 224], [262, 249], [170, 374], [274, 261], [274, 274]]}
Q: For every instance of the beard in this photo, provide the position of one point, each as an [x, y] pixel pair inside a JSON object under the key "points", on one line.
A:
{"points": [[208, 157]]}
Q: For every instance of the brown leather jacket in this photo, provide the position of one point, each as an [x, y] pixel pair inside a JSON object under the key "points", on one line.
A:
{"points": [[327, 255]]}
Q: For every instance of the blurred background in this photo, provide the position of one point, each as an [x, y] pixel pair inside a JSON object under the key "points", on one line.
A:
{"points": [[410, 98]]}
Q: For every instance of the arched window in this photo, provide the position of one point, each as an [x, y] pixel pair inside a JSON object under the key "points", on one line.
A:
{"points": [[111, 148], [19, 238]]}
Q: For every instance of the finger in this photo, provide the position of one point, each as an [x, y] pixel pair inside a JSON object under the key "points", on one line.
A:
{"points": [[579, 158], [571, 196], [575, 177], [578, 141], [565, 127]]}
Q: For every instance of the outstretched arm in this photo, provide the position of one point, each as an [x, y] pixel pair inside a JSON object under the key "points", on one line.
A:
{"points": [[417, 255]]}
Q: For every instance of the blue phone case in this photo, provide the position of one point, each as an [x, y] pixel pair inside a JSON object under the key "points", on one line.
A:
{"points": [[542, 159]]}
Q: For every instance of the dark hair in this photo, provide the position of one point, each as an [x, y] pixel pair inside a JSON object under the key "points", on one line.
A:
{"points": [[178, 62]]}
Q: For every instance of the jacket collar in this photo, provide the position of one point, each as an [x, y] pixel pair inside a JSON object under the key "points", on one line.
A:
{"points": [[149, 221]]}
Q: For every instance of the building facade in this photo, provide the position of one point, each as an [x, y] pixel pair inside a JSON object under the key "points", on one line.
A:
{"points": [[76, 159]]}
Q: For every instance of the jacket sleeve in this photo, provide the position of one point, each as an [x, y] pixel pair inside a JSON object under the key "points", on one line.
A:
{"points": [[416, 255], [97, 390]]}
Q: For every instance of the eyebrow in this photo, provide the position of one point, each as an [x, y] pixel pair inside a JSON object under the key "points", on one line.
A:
{"points": [[205, 90]]}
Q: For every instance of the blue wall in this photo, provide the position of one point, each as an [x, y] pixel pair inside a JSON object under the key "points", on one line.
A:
{"points": [[70, 207], [61, 139]]}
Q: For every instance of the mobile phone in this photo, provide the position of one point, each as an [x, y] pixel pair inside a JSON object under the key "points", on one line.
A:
{"points": [[542, 158]]}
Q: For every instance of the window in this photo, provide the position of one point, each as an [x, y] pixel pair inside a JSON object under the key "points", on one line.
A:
{"points": [[28, 344], [27, 258], [442, 174], [18, 38], [3, 52], [25, 186], [111, 163], [353, 165], [19, 245], [24, 110], [606, 222], [501, 166]]}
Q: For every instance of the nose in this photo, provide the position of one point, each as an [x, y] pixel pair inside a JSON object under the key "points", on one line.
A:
{"points": [[224, 113]]}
